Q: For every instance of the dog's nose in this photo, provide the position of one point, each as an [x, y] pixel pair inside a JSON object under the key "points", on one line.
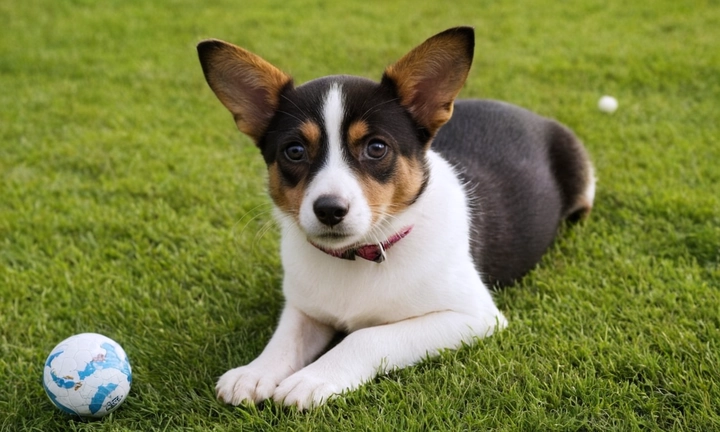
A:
{"points": [[330, 209]]}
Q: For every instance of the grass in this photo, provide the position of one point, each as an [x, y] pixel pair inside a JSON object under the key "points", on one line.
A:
{"points": [[130, 206]]}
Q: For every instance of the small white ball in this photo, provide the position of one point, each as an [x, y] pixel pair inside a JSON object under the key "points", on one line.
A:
{"points": [[607, 104]]}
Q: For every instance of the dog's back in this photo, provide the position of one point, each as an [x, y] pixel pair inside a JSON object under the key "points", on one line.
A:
{"points": [[523, 173]]}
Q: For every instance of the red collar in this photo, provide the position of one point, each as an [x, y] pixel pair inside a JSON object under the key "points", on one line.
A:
{"points": [[371, 252]]}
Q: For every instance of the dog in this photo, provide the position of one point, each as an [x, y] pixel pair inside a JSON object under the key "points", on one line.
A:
{"points": [[399, 208]]}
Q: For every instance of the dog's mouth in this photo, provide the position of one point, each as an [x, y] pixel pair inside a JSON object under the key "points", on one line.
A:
{"points": [[334, 243], [333, 238], [333, 235]]}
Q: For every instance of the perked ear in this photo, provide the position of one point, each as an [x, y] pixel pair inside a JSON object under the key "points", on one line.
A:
{"points": [[246, 84], [428, 78]]}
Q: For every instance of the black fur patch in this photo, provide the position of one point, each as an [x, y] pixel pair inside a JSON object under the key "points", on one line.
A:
{"points": [[521, 172]]}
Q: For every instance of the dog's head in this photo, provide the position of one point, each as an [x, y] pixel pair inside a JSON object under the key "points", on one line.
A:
{"points": [[344, 154]]}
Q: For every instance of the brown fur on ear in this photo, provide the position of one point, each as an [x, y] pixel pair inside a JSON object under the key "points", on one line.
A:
{"points": [[428, 78], [246, 84]]}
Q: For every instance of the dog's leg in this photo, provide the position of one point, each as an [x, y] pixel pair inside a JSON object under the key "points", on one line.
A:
{"points": [[372, 350], [296, 342]]}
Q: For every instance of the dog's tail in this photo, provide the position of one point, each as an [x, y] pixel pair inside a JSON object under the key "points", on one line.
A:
{"points": [[573, 172]]}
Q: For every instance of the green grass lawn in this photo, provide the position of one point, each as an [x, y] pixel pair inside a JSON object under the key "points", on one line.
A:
{"points": [[131, 206]]}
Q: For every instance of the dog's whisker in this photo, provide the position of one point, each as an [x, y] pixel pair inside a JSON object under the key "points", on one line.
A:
{"points": [[291, 115], [249, 212], [296, 105], [376, 107], [258, 215], [262, 231]]}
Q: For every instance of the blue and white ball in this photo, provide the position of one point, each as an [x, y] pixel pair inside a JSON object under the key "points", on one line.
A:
{"points": [[87, 375]]}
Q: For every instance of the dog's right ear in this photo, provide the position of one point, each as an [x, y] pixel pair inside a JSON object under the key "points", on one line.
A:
{"points": [[428, 78], [246, 84]]}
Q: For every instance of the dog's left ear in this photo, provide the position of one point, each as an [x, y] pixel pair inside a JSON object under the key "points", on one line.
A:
{"points": [[428, 78], [246, 84]]}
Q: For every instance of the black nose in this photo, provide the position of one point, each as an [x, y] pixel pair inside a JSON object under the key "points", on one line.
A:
{"points": [[330, 209]]}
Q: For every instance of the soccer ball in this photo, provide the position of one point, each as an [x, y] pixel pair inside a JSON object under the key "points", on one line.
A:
{"points": [[87, 375]]}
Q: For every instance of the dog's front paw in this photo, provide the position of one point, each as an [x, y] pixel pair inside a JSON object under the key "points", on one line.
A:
{"points": [[306, 389], [249, 384]]}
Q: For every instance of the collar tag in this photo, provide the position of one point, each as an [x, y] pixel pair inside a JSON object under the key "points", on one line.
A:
{"points": [[381, 256]]}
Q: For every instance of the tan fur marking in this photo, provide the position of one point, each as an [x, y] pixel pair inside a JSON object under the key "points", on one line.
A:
{"points": [[357, 131], [288, 200], [395, 196], [311, 132]]}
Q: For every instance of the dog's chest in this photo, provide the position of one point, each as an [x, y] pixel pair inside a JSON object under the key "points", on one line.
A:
{"points": [[350, 295]]}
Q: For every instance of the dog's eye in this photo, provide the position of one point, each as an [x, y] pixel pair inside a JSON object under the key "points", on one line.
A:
{"points": [[295, 152], [376, 149]]}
